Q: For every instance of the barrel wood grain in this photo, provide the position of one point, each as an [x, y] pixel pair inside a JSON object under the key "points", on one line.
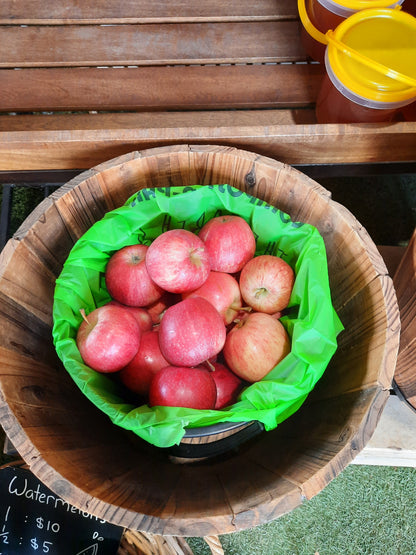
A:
{"points": [[20, 322], [117, 476], [35, 229], [405, 284], [18, 279], [376, 325], [33, 389], [317, 448]]}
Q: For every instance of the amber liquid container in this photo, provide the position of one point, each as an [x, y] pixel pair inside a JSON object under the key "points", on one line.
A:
{"points": [[336, 104], [328, 14], [323, 19]]}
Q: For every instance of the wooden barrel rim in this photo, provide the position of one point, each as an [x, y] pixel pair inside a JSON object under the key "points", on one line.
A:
{"points": [[265, 493]]}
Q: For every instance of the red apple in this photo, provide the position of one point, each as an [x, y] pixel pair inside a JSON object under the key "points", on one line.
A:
{"points": [[138, 374], [108, 338], [127, 278], [255, 345], [183, 387], [229, 241], [223, 292], [228, 385], [142, 315], [191, 331], [158, 308], [178, 261], [266, 283]]}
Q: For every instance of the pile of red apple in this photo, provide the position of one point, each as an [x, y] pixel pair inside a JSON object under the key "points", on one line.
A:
{"points": [[193, 317]]}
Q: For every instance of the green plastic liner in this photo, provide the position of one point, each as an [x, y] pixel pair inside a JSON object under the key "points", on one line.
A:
{"points": [[310, 320]]}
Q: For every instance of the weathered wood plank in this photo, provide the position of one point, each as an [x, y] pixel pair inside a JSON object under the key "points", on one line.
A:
{"points": [[88, 144], [160, 88], [393, 442], [153, 120], [405, 283], [130, 11], [152, 44]]}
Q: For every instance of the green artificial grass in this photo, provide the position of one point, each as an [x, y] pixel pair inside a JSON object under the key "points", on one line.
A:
{"points": [[367, 510]]}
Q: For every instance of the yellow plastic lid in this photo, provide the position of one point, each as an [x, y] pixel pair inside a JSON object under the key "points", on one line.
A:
{"points": [[373, 53], [365, 4]]}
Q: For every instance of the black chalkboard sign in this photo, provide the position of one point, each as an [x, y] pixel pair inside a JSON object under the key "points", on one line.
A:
{"points": [[33, 520]]}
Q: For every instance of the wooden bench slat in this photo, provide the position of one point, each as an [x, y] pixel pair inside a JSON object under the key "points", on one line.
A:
{"points": [[153, 44], [153, 120], [130, 11], [304, 143], [145, 88]]}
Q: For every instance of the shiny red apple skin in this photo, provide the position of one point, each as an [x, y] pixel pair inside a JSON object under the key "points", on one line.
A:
{"points": [[138, 374], [266, 283], [127, 278], [142, 315], [255, 345], [178, 261], [223, 292], [183, 387], [109, 339], [228, 385], [158, 308], [229, 241], [190, 332]]}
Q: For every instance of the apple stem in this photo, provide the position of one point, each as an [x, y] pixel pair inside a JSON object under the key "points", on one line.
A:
{"points": [[195, 256], [277, 315], [211, 367], [242, 308], [84, 316], [260, 292]]}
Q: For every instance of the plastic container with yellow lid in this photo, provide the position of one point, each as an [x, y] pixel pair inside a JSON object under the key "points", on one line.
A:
{"points": [[328, 14], [370, 65]]}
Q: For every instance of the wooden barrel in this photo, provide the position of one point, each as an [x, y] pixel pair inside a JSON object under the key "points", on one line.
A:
{"points": [[75, 450], [405, 284]]}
